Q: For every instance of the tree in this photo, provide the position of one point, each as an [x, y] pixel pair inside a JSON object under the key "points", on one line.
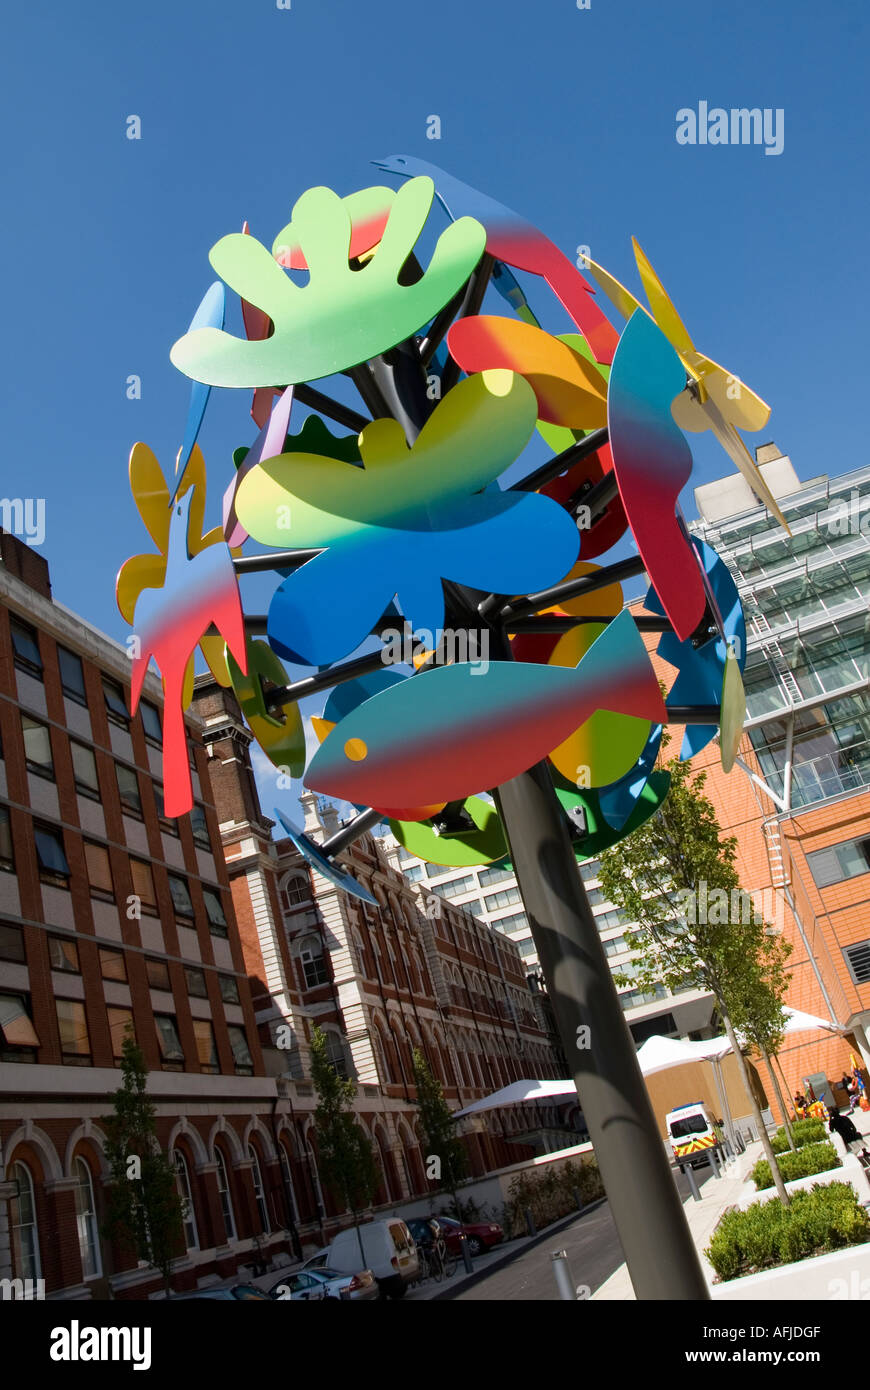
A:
{"points": [[675, 877], [755, 1007], [144, 1206], [439, 1129], [345, 1153]]}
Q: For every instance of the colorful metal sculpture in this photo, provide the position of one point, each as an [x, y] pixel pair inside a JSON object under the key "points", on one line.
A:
{"points": [[406, 525]]}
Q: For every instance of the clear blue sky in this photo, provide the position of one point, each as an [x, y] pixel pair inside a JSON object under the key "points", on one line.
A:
{"points": [[567, 115]]}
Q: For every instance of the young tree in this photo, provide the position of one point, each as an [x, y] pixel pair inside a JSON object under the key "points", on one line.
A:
{"points": [[755, 1007], [345, 1154], [675, 877], [439, 1130], [144, 1206]]}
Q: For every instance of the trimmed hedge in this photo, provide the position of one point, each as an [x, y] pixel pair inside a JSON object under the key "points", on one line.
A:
{"points": [[768, 1234], [550, 1194], [811, 1159], [804, 1131]]}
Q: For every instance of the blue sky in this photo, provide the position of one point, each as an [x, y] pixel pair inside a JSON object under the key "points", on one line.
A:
{"points": [[567, 115]]}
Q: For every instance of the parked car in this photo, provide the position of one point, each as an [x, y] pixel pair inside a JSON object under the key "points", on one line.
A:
{"points": [[322, 1283], [243, 1293], [480, 1235], [388, 1248]]}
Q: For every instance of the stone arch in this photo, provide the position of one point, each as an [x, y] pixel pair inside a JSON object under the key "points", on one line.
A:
{"points": [[88, 1133], [36, 1138], [182, 1129], [256, 1127], [221, 1129]]}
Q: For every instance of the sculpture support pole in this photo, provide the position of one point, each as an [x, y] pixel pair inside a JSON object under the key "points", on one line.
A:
{"points": [[658, 1247]]}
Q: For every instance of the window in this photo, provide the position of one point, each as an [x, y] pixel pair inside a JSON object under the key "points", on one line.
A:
{"points": [[217, 922], [72, 675], [166, 823], [188, 1216], [170, 1047], [86, 1221], [504, 898], [180, 896], [25, 646], [151, 722], [288, 1183], [206, 1049], [455, 888], [11, 942], [858, 961], [241, 1053], [128, 790], [314, 966], [259, 1191], [490, 876], [18, 1038], [85, 770], [99, 871], [195, 982], [847, 860], [229, 987], [116, 705], [74, 1042], [158, 974], [413, 873], [120, 1023], [7, 859], [53, 866], [514, 921], [336, 1055], [112, 964], [143, 885], [22, 1219], [37, 747], [223, 1183], [297, 890], [199, 827], [63, 954]]}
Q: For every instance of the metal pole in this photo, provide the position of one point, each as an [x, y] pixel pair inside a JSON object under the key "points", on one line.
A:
{"points": [[693, 1184], [564, 1277], [658, 1247]]}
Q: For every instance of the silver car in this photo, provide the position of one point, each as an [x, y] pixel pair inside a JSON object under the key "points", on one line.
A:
{"points": [[311, 1284]]}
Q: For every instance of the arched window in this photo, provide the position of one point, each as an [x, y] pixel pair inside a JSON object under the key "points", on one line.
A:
{"points": [[188, 1216], [259, 1190], [336, 1052], [314, 966], [296, 890], [223, 1183], [22, 1214], [86, 1221], [287, 1174], [312, 1158]]}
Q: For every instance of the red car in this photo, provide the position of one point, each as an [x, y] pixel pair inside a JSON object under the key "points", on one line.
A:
{"points": [[480, 1235]]}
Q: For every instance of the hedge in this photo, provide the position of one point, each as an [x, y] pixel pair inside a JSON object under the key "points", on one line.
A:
{"points": [[804, 1131], [768, 1234], [549, 1194], [811, 1159]]}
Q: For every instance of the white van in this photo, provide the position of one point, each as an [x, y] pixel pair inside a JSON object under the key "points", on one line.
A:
{"points": [[389, 1250], [692, 1130]]}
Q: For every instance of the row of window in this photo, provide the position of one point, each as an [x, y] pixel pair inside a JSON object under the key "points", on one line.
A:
{"points": [[40, 761], [64, 956], [54, 869], [19, 1039]]}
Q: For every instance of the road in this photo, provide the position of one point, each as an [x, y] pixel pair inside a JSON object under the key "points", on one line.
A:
{"points": [[594, 1252]]}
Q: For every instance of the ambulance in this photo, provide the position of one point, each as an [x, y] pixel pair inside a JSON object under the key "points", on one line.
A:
{"points": [[691, 1130]]}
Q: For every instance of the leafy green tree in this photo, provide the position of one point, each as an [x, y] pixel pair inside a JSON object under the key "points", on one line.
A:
{"points": [[345, 1154], [144, 1207], [439, 1129], [755, 1007], [676, 878]]}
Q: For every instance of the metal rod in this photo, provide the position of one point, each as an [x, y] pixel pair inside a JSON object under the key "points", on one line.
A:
{"points": [[350, 832], [323, 680], [694, 714], [365, 383], [400, 378], [596, 497], [342, 414], [556, 624], [551, 598], [440, 324], [256, 622], [560, 463], [473, 300], [278, 560]]}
